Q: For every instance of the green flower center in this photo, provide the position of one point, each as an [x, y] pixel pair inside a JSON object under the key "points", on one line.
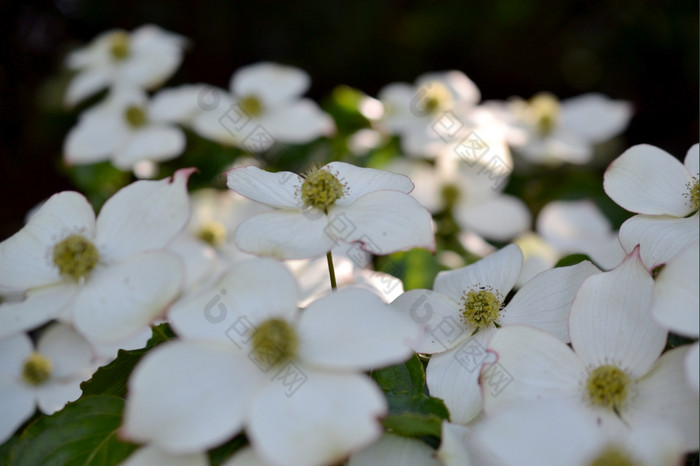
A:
{"points": [[75, 257], [481, 308], [251, 105], [612, 456], [321, 189], [450, 194], [213, 233], [545, 112], [37, 369], [437, 96], [608, 387], [693, 193], [135, 116], [119, 45], [275, 341]]}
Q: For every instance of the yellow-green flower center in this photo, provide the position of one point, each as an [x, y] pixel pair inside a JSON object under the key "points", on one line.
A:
{"points": [[212, 233], [37, 369], [321, 189], [275, 341], [481, 308], [437, 97], [119, 45], [693, 193], [608, 387], [251, 105], [612, 456], [75, 257], [545, 112], [135, 116], [450, 194]]}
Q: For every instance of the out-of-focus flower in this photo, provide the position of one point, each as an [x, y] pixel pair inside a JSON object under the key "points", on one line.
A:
{"points": [[394, 450], [152, 456], [144, 58]]}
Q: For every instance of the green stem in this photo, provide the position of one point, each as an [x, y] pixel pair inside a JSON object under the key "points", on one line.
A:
{"points": [[331, 270]]}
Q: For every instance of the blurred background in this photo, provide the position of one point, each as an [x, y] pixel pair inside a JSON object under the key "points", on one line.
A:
{"points": [[644, 52]]}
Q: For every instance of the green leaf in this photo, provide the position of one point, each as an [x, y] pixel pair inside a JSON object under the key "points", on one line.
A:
{"points": [[572, 259], [415, 415], [112, 378], [220, 454], [407, 377], [83, 433]]}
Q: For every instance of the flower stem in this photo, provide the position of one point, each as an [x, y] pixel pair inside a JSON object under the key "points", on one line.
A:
{"points": [[331, 270]]}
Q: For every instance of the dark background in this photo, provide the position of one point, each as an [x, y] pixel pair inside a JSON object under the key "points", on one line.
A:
{"points": [[645, 52]]}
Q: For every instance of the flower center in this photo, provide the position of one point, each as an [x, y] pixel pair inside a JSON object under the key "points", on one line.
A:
{"points": [[37, 369], [608, 387], [693, 193], [545, 112], [275, 341], [135, 116], [119, 45], [612, 456], [481, 307], [321, 189], [75, 256], [450, 194], [213, 233], [251, 105], [437, 96]]}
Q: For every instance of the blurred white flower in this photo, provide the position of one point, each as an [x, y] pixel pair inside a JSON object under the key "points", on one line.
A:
{"points": [[538, 256], [394, 450], [48, 376], [110, 276], [122, 129], [152, 456], [144, 58]]}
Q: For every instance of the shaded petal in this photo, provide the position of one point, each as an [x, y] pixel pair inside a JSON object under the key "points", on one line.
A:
{"points": [[14, 350], [538, 365], [359, 181], [676, 296], [181, 104], [384, 222], [297, 122], [499, 218], [69, 352], [26, 258], [185, 397], [648, 180], [98, 134], [355, 329], [660, 237], [155, 54], [279, 189], [223, 124], [610, 320], [691, 367], [40, 306], [120, 300], [499, 271], [152, 456], [545, 301], [155, 143], [85, 84], [691, 160], [394, 450], [271, 82], [439, 314], [55, 394], [17, 405], [309, 432], [453, 449], [245, 456], [143, 215], [595, 116]]}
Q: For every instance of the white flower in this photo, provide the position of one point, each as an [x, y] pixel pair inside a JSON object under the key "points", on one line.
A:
{"points": [[123, 130], [337, 202], [152, 456], [291, 378], [143, 58], [545, 130], [263, 106], [649, 181], [108, 275], [394, 450], [466, 307], [48, 376], [614, 372]]}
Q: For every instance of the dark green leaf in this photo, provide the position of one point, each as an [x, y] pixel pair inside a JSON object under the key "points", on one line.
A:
{"points": [[572, 259], [220, 454], [407, 377], [415, 415]]}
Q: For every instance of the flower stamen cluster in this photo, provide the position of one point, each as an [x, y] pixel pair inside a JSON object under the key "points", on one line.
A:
{"points": [[275, 341], [37, 369], [75, 257], [119, 47], [608, 387], [481, 307], [321, 189]]}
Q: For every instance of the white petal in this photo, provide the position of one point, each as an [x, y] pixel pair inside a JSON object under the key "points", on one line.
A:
{"points": [[69, 352], [308, 432], [26, 258], [181, 104], [354, 329], [185, 397], [692, 160], [14, 350], [274, 189], [143, 215], [297, 123], [223, 124], [53, 395], [457, 82], [360, 181], [126, 297], [611, 322], [270, 82], [394, 450], [545, 301], [661, 237], [154, 55], [286, 234], [500, 218], [100, 131], [152, 456], [440, 315], [499, 271], [595, 116], [676, 294], [17, 405], [384, 222], [691, 367], [155, 143], [40, 306], [85, 84], [663, 395], [246, 456], [648, 180], [453, 449], [453, 376], [538, 366], [567, 225]]}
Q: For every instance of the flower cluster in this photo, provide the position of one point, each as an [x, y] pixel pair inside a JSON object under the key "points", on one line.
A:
{"points": [[360, 295]]}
